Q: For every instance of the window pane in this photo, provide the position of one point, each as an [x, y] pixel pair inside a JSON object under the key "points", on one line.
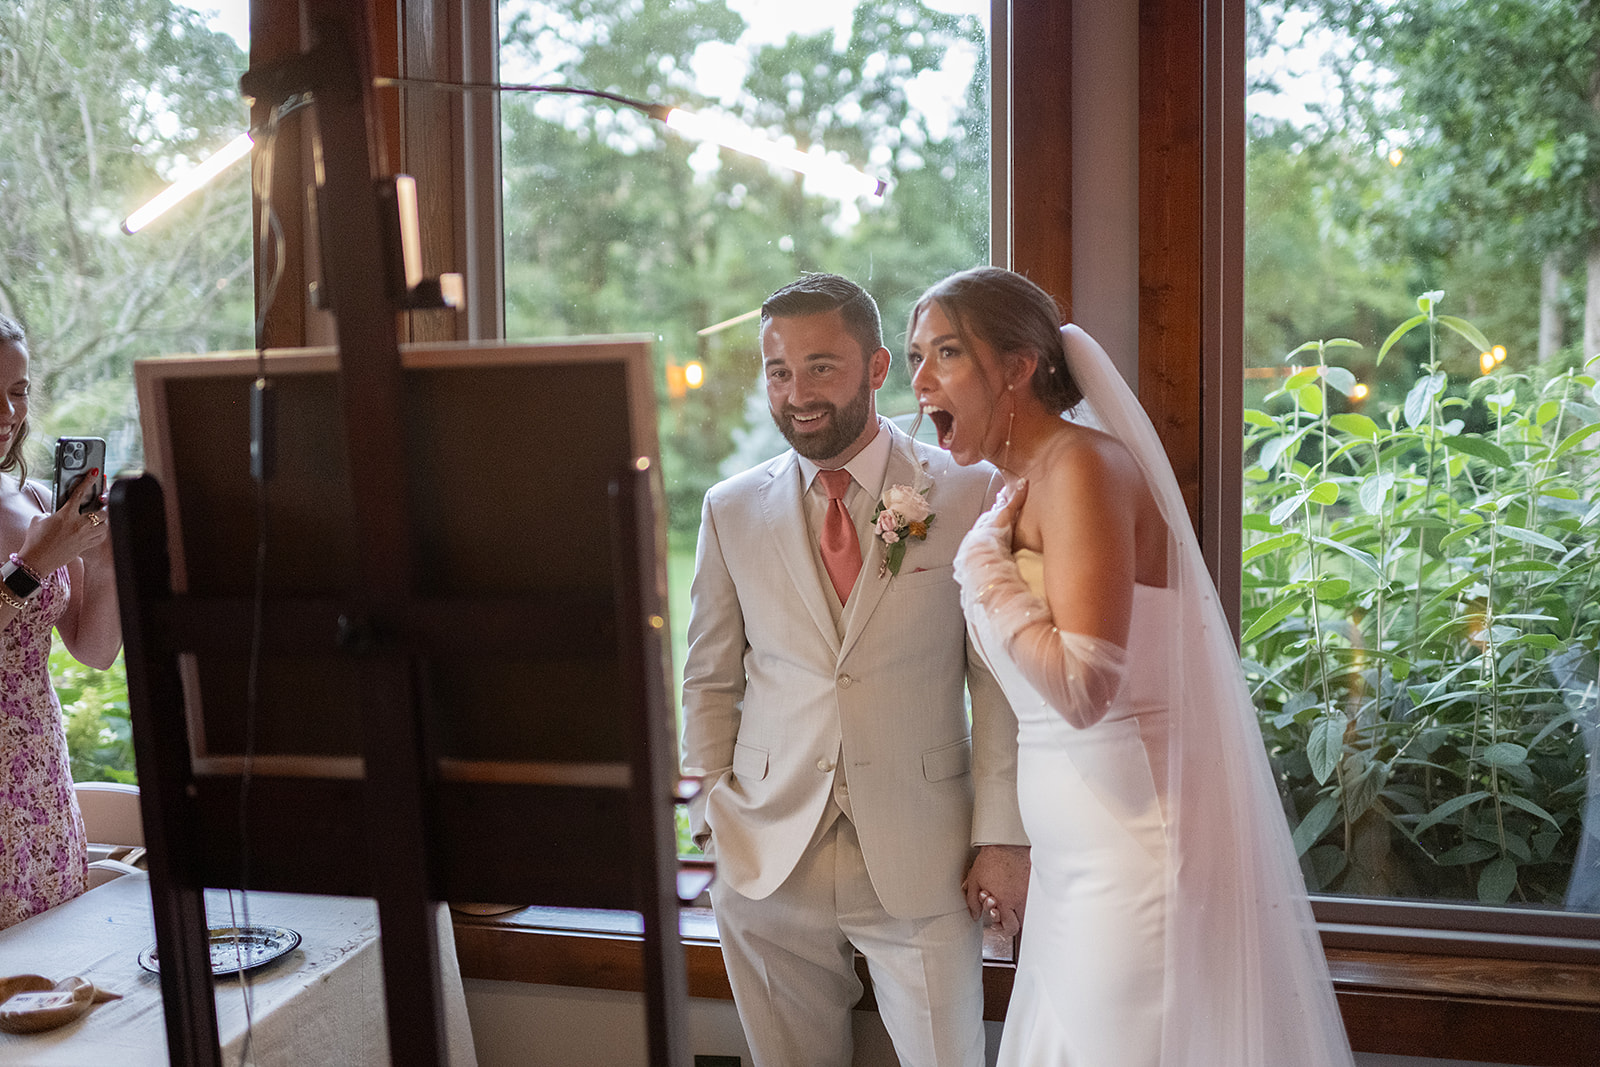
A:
{"points": [[1419, 615], [614, 224], [99, 109], [101, 105]]}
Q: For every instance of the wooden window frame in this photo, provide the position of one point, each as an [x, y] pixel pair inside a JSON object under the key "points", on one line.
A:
{"points": [[1412, 979], [1401, 1003]]}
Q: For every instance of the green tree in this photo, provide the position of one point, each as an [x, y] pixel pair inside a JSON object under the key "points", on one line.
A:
{"points": [[1497, 109], [615, 224], [607, 228], [99, 103], [1314, 248]]}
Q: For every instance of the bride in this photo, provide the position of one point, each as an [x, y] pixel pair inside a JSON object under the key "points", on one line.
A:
{"points": [[1167, 922]]}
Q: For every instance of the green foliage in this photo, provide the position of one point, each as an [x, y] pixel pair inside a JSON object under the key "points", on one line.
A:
{"points": [[95, 707], [1315, 248], [1504, 93], [1420, 620], [100, 105], [1487, 113]]}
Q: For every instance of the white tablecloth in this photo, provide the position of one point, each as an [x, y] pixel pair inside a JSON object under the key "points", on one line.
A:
{"points": [[320, 1004]]}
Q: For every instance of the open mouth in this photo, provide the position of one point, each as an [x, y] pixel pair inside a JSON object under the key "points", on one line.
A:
{"points": [[808, 420], [944, 423]]}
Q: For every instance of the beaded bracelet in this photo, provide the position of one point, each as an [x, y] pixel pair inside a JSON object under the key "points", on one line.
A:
{"points": [[35, 575]]}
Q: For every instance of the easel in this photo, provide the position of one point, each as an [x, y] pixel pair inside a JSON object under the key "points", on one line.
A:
{"points": [[405, 829]]}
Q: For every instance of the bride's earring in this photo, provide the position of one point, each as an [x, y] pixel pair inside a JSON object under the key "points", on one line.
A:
{"points": [[1011, 420]]}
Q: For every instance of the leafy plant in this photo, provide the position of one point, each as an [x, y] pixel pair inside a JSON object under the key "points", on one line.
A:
{"points": [[1420, 620], [95, 707]]}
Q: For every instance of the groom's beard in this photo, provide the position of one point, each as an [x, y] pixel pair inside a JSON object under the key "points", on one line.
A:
{"points": [[844, 425]]}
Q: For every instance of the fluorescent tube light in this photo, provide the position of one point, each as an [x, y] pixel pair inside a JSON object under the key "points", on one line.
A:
{"points": [[164, 201]]}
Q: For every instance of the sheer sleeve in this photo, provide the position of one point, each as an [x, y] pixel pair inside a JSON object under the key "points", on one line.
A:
{"points": [[1077, 675]]}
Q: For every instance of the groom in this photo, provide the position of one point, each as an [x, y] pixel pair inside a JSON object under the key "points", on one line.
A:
{"points": [[844, 791]]}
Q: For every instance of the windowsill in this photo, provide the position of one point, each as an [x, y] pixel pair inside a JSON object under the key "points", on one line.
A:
{"points": [[1435, 1003]]}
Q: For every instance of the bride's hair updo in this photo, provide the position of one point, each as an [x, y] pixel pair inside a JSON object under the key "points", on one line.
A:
{"points": [[1010, 314]]}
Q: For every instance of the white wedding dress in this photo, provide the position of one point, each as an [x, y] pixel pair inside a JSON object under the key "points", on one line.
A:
{"points": [[1167, 923], [1089, 987]]}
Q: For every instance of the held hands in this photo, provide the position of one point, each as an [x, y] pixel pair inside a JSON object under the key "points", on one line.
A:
{"points": [[58, 538], [996, 886]]}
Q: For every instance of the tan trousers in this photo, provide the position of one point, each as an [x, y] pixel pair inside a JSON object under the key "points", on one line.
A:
{"points": [[791, 963]]}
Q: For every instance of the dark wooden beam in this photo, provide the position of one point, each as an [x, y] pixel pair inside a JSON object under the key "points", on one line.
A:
{"points": [[275, 35], [1170, 99], [1041, 145], [1222, 298]]}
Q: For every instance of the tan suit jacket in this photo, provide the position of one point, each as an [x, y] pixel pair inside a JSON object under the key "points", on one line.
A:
{"points": [[772, 695]]}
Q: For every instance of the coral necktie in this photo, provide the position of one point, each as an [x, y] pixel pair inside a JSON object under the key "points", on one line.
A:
{"points": [[841, 549]]}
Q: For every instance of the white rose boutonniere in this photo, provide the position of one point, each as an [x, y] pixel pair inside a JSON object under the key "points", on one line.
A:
{"points": [[903, 515]]}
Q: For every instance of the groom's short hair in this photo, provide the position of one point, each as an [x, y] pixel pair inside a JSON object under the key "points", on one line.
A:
{"points": [[818, 294]]}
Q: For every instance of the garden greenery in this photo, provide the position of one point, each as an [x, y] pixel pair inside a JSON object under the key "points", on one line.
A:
{"points": [[1420, 621], [94, 705]]}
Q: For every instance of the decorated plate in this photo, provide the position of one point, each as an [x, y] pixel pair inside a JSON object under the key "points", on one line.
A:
{"points": [[235, 949]]}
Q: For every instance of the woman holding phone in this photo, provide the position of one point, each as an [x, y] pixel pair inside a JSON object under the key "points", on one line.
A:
{"points": [[55, 574]]}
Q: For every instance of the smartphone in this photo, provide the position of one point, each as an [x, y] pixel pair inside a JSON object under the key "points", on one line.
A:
{"points": [[75, 458]]}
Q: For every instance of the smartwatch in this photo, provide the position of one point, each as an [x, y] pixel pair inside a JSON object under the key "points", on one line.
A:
{"points": [[18, 577]]}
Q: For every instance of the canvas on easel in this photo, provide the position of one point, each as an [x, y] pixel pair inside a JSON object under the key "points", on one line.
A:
{"points": [[532, 638]]}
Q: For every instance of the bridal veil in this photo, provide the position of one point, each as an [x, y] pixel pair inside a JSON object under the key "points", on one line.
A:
{"points": [[1246, 981]]}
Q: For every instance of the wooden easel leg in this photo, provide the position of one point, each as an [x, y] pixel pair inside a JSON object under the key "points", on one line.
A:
{"points": [[161, 753], [653, 748]]}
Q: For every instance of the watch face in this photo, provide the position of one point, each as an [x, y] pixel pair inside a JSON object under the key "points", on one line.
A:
{"points": [[18, 580]]}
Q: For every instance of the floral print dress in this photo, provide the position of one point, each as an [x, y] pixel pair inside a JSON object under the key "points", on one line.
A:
{"points": [[43, 857]]}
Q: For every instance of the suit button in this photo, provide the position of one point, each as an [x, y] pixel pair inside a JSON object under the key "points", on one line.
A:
{"points": [[845, 681], [824, 764]]}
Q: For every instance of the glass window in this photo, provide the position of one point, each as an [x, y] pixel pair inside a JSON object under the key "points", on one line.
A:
{"points": [[615, 223], [100, 107], [1419, 618]]}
